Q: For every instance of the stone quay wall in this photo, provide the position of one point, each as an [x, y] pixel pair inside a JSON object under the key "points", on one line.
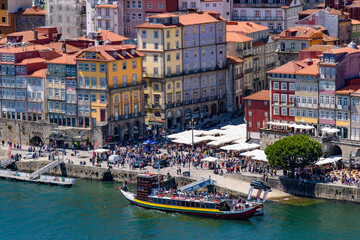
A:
{"points": [[312, 190]]}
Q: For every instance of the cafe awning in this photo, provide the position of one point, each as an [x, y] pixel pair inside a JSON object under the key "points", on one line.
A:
{"points": [[331, 159]]}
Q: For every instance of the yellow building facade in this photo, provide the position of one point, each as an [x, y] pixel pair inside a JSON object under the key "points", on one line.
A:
{"points": [[101, 70]]}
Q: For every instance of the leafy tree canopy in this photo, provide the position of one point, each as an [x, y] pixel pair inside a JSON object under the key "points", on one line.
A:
{"points": [[293, 152]]}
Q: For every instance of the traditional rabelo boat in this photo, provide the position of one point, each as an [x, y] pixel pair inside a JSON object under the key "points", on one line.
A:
{"points": [[154, 193]]}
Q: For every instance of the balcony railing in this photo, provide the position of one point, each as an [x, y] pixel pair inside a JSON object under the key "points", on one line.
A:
{"points": [[153, 75]]}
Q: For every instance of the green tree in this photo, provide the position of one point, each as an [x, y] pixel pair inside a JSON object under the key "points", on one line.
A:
{"points": [[293, 152]]}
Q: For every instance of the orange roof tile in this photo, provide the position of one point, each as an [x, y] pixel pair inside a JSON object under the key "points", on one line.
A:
{"points": [[104, 49], [299, 32], [31, 60], [233, 59], [355, 22], [348, 89], [38, 74], [64, 59], [163, 15], [263, 95], [245, 27], [198, 18], [23, 49], [34, 11], [57, 46], [327, 38], [318, 48], [237, 37], [341, 50], [107, 35], [298, 67], [106, 6]]}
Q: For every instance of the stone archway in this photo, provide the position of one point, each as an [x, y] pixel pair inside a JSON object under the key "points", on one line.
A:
{"points": [[170, 120], [36, 141], [335, 150], [213, 109], [137, 130], [179, 118], [127, 131], [205, 111], [117, 133]]}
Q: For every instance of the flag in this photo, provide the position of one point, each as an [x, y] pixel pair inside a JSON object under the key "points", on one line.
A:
{"points": [[95, 144], [9, 151]]}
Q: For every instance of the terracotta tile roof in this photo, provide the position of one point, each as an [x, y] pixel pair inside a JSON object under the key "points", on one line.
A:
{"points": [[263, 95], [309, 11], [163, 15], [57, 46], [355, 22], [27, 36], [349, 89], [318, 48], [298, 67], [299, 32], [23, 49], [157, 26], [34, 11], [113, 37], [64, 59], [198, 18], [341, 50], [327, 38], [233, 59], [38, 74], [245, 27], [106, 6], [104, 49], [237, 37], [31, 61]]}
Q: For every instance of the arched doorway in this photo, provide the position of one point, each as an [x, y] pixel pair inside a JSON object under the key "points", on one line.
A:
{"points": [[117, 132], [213, 109], [137, 129], [205, 111], [127, 131], [178, 118], [188, 116], [36, 141], [358, 153], [170, 120], [335, 150], [196, 115], [222, 107]]}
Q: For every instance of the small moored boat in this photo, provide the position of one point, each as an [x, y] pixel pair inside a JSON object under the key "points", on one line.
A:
{"points": [[151, 195]]}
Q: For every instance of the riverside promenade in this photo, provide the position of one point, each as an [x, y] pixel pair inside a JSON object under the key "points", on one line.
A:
{"points": [[225, 182]]}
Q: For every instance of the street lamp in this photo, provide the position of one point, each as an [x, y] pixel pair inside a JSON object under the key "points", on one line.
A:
{"points": [[192, 124]]}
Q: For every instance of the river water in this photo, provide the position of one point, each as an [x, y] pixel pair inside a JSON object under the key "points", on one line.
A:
{"points": [[94, 210]]}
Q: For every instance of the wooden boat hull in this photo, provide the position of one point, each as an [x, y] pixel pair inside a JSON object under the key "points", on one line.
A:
{"points": [[203, 212]]}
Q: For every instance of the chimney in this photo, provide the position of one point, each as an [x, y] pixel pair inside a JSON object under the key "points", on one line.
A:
{"points": [[36, 35], [310, 62]]}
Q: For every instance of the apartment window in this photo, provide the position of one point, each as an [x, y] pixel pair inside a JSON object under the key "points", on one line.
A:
{"points": [[114, 67], [124, 65], [115, 80], [156, 34], [143, 33], [177, 33], [93, 82], [93, 97], [102, 98], [177, 56], [156, 45], [93, 67], [124, 79], [284, 111], [283, 86], [156, 58], [276, 85], [102, 83], [168, 57], [134, 79], [276, 111], [87, 82], [276, 97], [133, 16], [139, 4], [292, 86], [102, 67], [127, 4], [86, 67], [160, 6], [150, 5], [133, 64]]}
